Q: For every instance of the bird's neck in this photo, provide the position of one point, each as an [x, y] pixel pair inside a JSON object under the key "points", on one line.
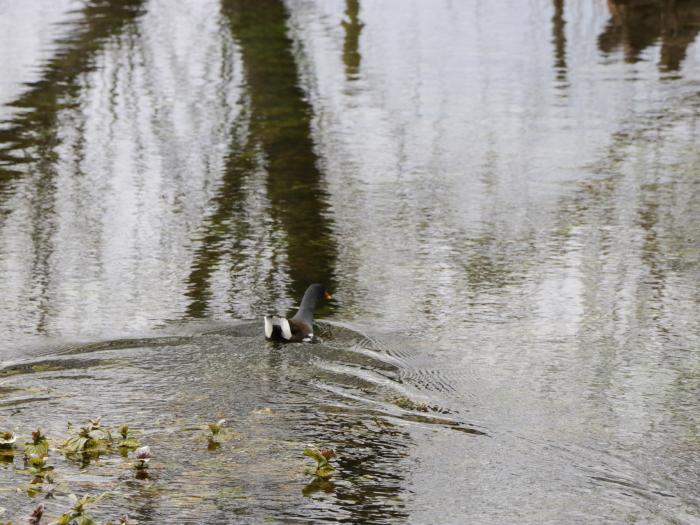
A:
{"points": [[306, 313]]}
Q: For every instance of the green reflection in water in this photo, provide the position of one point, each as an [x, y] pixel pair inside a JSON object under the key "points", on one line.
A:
{"points": [[29, 140], [31, 135], [274, 138], [353, 27]]}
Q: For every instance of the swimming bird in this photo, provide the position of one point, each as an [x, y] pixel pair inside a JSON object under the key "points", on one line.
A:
{"points": [[300, 327]]}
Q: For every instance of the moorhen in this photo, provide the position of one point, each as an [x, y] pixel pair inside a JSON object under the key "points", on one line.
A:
{"points": [[300, 327]]}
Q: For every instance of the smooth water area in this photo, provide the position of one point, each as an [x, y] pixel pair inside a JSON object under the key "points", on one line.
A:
{"points": [[503, 197]]}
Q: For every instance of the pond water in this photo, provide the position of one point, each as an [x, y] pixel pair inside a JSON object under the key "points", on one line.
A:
{"points": [[503, 198]]}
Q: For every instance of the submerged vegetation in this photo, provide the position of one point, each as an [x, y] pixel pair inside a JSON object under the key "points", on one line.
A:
{"points": [[93, 437]]}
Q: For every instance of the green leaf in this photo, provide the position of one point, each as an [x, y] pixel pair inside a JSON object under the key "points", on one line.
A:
{"points": [[36, 461], [40, 449], [324, 471], [7, 439], [101, 434], [75, 444], [84, 519], [130, 442], [314, 454]]}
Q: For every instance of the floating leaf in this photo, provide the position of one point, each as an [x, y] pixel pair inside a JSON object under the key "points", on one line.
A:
{"points": [[39, 445], [92, 437], [314, 454], [37, 461], [78, 515], [75, 444], [84, 519], [130, 442], [7, 439]]}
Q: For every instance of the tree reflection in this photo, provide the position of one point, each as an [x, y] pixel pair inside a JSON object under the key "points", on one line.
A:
{"points": [[353, 27], [31, 135], [559, 41], [29, 140], [276, 144], [637, 24]]}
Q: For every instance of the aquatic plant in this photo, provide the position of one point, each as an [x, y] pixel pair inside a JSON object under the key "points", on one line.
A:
{"points": [[213, 438], [45, 485], [143, 456], [7, 447], [39, 469], [7, 440], [77, 515], [35, 517], [126, 441], [93, 436], [39, 445], [216, 428], [321, 455]]}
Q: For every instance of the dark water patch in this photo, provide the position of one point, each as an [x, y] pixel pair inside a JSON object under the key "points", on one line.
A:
{"points": [[53, 365], [633, 27], [4, 390], [73, 376], [121, 344], [22, 401], [631, 486], [392, 413]]}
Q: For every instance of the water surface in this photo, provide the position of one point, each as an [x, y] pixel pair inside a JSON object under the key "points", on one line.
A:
{"points": [[503, 199]]}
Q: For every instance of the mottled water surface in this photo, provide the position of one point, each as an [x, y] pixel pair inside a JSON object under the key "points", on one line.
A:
{"points": [[504, 198]]}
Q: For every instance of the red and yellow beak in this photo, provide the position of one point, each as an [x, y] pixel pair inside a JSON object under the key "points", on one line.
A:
{"points": [[327, 296]]}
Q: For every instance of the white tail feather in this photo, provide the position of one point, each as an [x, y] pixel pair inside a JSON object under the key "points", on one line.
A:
{"points": [[271, 322], [268, 326], [286, 330]]}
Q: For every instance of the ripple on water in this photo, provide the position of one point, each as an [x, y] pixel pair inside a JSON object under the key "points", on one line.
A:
{"points": [[345, 392]]}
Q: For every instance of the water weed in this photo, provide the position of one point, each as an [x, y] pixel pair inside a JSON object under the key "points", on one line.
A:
{"points": [[322, 456]]}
